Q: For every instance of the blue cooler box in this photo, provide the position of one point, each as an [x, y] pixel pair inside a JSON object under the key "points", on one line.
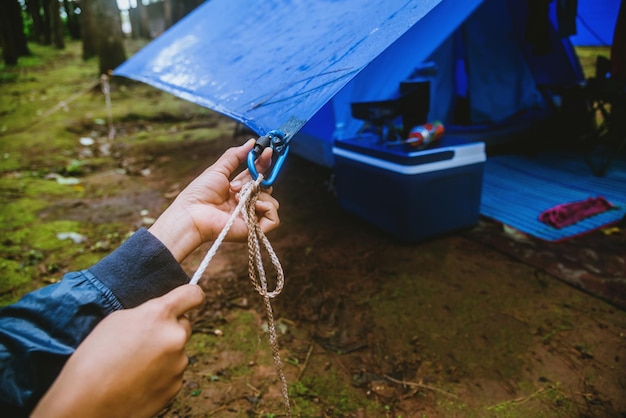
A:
{"points": [[412, 194]]}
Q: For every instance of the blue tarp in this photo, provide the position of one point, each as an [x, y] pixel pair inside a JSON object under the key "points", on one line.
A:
{"points": [[595, 22], [274, 63], [282, 64]]}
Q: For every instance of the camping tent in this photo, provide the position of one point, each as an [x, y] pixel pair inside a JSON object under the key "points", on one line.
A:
{"points": [[276, 64], [491, 79]]}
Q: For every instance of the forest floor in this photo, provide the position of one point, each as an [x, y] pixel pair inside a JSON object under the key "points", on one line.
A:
{"points": [[368, 326]]}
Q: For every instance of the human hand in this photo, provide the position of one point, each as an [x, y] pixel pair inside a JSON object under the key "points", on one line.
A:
{"points": [[200, 212], [131, 365]]}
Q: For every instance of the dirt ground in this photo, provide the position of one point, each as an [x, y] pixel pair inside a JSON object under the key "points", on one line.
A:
{"points": [[368, 326], [374, 327]]}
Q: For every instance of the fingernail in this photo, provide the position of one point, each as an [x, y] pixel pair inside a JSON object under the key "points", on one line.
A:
{"points": [[235, 184]]}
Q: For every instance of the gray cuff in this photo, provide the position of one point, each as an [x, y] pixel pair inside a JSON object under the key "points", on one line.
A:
{"points": [[141, 269]]}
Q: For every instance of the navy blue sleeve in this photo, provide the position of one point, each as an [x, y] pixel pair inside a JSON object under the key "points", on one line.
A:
{"points": [[39, 332], [141, 269]]}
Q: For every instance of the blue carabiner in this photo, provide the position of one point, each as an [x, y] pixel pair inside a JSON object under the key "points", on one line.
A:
{"points": [[279, 142]]}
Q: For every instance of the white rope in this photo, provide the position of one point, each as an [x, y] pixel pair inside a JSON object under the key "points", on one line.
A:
{"points": [[256, 238], [244, 196]]}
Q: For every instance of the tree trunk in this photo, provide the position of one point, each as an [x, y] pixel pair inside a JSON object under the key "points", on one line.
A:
{"points": [[47, 22], [143, 15], [89, 29], [57, 26], [110, 37], [184, 7], [135, 22], [34, 9], [12, 32], [167, 13], [73, 23], [22, 43]]}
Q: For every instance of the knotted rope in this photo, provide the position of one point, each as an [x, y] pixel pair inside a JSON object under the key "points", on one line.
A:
{"points": [[256, 241]]}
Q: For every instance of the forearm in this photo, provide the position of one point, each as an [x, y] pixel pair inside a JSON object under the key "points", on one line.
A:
{"points": [[173, 229], [39, 333]]}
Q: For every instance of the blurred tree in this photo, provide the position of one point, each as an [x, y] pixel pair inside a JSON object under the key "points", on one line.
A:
{"points": [[98, 24], [89, 31], [183, 7], [73, 21], [34, 10], [139, 21], [144, 30], [58, 39], [148, 12], [12, 36], [167, 12], [110, 39], [47, 22]]}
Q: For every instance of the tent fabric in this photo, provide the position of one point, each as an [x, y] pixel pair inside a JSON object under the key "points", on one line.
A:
{"points": [[272, 64], [288, 63], [595, 20], [481, 57], [499, 67], [380, 79], [618, 48]]}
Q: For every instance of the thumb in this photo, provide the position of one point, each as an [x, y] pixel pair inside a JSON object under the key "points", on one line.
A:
{"points": [[182, 299], [232, 158]]}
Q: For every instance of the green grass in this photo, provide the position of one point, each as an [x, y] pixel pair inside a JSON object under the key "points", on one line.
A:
{"points": [[48, 102]]}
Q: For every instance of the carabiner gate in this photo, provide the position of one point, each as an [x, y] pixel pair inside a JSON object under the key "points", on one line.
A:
{"points": [[279, 142]]}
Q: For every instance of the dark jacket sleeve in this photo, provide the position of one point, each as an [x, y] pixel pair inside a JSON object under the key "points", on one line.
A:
{"points": [[39, 332]]}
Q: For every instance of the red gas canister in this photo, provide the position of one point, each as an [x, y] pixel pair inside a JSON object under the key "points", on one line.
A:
{"points": [[425, 134]]}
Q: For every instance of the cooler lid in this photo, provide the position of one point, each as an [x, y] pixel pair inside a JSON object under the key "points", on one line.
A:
{"points": [[448, 153]]}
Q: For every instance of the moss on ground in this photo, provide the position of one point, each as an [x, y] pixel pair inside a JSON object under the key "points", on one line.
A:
{"points": [[50, 101], [330, 395]]}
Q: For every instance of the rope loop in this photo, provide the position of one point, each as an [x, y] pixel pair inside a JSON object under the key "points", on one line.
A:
{"points": [[257, 241]]}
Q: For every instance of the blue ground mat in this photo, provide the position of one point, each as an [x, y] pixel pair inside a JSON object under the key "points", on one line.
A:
{"points": [[516, 189]]}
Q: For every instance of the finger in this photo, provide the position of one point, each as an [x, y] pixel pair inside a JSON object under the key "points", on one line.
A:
{"points": [[267, 214], [233, 158], [237, 184], [266, 201], [262, 164], [265, 159], [186, 324], [182, 299]]}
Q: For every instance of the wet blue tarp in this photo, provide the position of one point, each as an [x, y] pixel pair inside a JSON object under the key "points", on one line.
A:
{"points": [[274, 63], [595, 22]]}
